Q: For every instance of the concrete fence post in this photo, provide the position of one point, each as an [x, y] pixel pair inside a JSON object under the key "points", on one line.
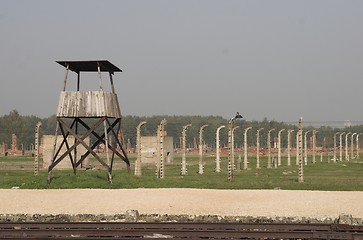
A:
{"points": [[279, 147], [297, 149], [289, 146], [138, 148], [341, 146], [258, 148], [314, 145], [184, 170], [335, 146], [160, 163], [218, 159], [269, 147], [352, 146], [347, 146], [232, 150], [245, 148], [201, 167], [306, 147], [299, 144], [357, 142], [36, 149]]}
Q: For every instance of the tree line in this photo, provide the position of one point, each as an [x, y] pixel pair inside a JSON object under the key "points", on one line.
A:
{"points": [[24, 127]]}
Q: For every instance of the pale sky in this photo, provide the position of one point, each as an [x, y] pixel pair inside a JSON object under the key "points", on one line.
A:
{"points": [[274, 59]]}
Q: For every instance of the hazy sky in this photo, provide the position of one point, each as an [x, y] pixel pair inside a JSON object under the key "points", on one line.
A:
{"points": [[274, 59]]}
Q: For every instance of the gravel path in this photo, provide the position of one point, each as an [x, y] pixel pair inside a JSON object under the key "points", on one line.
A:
{"points": [[266, 203]]}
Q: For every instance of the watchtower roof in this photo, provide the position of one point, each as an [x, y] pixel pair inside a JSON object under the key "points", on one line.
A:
{"points": [[90, 66]]}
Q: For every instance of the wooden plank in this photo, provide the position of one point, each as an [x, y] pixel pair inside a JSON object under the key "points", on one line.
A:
{"points": [[88, 104]]}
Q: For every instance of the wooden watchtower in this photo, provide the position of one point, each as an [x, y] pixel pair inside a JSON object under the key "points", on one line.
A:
{"points": [[80, 113]]}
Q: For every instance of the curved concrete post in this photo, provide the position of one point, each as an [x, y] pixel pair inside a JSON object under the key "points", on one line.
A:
{"points": [[314, 145], [218, 159], [347, 146], [258, 148], [231, 146], [36, 149], [341, 146], [357, 142], [289, 146], [269, 147], [232, 149], [335, 146], [161, 150], [352, 146], [184, 170], [245, 160], [230, 166], [138, 149], [201, 167], [299, 150], [306, 147], [279, 147]]}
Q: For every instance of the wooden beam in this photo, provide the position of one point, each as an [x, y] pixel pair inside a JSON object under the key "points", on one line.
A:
{"points": [[112, 85], [100, 139], [60, 121], [65, 135], [66, 77], [118, 142], [80, 141], [99, 76], [55, 154], [78, 80]]}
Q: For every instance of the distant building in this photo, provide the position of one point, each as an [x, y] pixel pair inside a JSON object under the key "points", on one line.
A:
{"points": [[149, 149], [347, 123]]}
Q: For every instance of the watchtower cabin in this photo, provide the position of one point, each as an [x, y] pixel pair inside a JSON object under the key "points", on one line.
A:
{"points": [[76, 108]]}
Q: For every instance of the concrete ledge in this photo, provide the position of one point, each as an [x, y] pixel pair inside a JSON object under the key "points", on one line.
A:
{"points": [[342, 219]]}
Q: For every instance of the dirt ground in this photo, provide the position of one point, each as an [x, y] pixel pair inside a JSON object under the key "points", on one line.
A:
{"points": [[262, 203]]}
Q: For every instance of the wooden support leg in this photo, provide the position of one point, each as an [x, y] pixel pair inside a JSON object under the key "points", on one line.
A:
{"points": [[109, 176], [65, 135], [107, 153], [72, 130], [56, 161], [53, 153], [101, 140]]}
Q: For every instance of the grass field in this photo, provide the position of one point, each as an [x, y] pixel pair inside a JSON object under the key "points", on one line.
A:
{"points": [[340, 176]]}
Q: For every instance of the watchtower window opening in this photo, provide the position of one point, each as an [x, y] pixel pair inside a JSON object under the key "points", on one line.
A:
{"points": [[88, 82]]}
